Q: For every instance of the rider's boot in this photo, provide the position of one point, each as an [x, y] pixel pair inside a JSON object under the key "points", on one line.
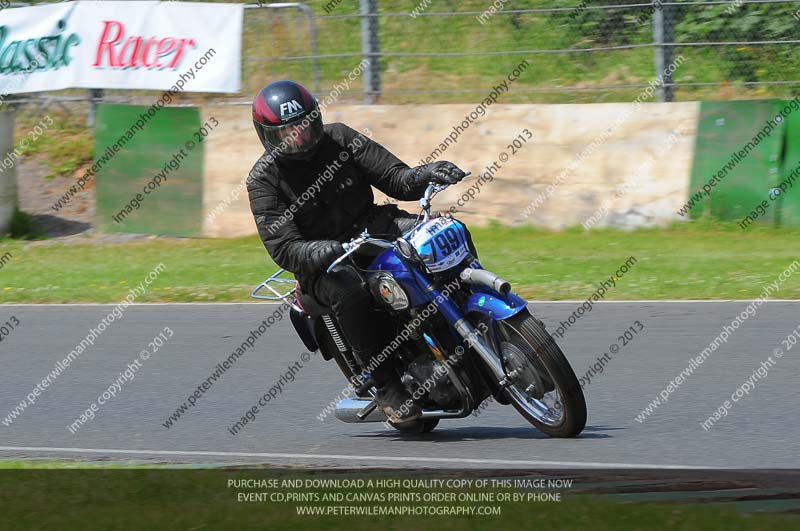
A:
{"points": [[392, 396], [368, 332], [396, 403]]}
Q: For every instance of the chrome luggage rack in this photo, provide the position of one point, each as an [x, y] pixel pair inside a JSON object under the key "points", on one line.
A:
{"points": [[289, 297]]}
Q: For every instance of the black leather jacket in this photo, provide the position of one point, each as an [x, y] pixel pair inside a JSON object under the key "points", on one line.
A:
{"points": [[299, 206]]}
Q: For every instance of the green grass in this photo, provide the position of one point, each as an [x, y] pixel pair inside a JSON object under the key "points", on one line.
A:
{"points": [[201, 499], [37, 464], [687, 261], [60, 138]]}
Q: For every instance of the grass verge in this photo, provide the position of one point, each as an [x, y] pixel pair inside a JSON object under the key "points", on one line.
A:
{"points": [[205, 499], [687, 261]]}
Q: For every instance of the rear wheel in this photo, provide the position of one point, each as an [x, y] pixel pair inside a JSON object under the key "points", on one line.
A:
{"points": [[416, 426], [351, 370], [542, 385]]}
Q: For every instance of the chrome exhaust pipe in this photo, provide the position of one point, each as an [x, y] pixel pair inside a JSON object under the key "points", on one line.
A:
{"points": [[351, 410], [348, 410]]}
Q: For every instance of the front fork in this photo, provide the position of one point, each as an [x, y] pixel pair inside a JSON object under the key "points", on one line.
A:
{"points": [[455, 318]]}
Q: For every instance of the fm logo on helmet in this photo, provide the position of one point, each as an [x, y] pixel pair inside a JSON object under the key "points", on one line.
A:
{"points": [[290, 108]]}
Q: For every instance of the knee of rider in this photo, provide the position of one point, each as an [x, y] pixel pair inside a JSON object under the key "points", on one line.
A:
{"points": [[352, 295], [332, 287]]}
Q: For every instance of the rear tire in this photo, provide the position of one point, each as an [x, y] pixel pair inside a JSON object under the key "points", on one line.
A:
{"points": [[540, 348], [415, 427]]}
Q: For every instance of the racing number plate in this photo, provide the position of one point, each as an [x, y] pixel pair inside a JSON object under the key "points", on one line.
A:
{"points": [[442, 243]]}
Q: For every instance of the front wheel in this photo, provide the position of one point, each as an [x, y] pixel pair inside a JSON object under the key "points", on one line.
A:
{"points": [[542, 385]]}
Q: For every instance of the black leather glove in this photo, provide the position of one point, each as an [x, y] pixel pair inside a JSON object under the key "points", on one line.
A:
{"points": [[442, 172], [322, 253]]}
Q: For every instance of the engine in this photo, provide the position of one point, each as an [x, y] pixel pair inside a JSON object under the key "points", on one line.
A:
{"points": [[427, 376]]}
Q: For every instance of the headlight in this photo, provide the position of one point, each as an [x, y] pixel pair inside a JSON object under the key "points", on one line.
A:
{"points": [[388, 290]]}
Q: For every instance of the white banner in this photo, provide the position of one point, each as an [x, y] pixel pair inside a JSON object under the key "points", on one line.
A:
{"points": [[121, 45]]}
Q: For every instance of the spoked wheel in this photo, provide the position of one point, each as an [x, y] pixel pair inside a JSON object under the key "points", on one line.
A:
{"points": [[543, 386]]}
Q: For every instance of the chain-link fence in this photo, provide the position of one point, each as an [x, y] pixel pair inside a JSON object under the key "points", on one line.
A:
{"points": [[454, 50], [606, 50]]}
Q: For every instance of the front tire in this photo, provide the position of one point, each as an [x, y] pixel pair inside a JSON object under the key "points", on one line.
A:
{"points": [[537, 368]]}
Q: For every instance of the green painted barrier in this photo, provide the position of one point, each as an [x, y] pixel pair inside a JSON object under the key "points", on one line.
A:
{"points": [[149, 176], [789, 197], [738, 150]]}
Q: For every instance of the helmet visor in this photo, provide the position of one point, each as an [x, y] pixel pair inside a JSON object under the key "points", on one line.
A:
{"points": [[297, 137]]}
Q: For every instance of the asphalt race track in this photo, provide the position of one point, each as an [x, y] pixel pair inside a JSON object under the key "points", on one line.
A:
{"points": [[760, 430]]}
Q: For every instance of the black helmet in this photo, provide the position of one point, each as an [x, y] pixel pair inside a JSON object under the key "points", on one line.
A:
{"points": [[287, 119]]}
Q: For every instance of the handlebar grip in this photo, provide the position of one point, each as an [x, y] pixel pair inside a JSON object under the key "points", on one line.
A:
{"points": [[335, 263], [348, 247]]}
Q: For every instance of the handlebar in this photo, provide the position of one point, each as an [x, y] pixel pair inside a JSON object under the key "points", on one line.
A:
{"points": [[430, 191], [354, 244]]}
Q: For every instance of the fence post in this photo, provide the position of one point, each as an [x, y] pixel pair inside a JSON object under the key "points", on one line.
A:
{"points": [[663, 32], [95, 96], [312, 34], [370, 48]]}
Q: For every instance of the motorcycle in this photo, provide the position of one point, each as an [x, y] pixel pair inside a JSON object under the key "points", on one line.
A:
{"points": [[462, 335]]}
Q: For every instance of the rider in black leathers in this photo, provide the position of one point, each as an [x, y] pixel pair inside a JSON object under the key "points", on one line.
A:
{"points": [[312, 190]]}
